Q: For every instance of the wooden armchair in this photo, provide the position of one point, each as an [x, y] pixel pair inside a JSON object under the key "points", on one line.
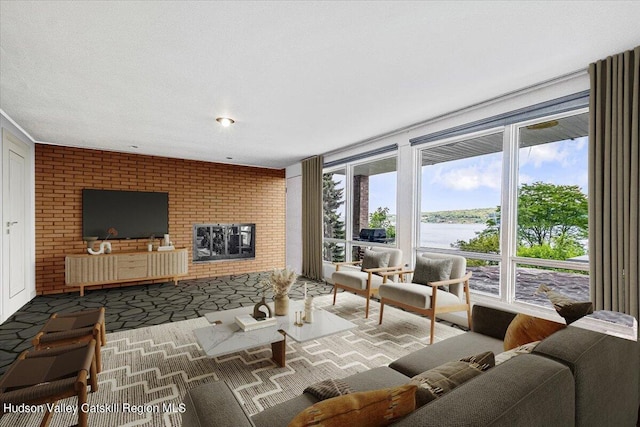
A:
{"points": [[365, 282], [433, 297]]}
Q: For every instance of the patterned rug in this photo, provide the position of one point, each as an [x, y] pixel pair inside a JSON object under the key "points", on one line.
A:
{"points": [[146, 371]]}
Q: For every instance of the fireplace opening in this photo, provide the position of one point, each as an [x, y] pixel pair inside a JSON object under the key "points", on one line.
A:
{"points": [[219, 242]]}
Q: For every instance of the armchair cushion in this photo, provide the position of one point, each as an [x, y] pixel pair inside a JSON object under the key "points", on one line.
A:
{"points": [[357, 279], [416, 295], [373, 259], [432, 270]]}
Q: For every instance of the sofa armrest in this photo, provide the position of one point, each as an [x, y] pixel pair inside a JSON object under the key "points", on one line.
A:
{"points": [[602, 366], [213, 404], [491, 321]]}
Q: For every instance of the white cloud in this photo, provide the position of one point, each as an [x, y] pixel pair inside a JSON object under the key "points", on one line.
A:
{"points": [[563, 152], [483, 174]]}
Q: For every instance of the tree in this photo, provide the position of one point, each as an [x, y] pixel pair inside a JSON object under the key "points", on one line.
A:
{"points": [[551, 221], [380, 219], [549, 213], [332, 199]]}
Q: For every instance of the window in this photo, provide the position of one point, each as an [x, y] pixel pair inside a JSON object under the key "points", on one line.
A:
{"points": [[333, 198], [460, 203], [552, 208], [513, 201], [369, 217]]}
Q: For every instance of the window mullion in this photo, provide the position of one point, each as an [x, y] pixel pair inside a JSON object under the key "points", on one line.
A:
{"points": [[509, 214]]}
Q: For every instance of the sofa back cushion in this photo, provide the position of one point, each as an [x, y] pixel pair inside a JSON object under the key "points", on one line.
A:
{"points": [[491, 321]]}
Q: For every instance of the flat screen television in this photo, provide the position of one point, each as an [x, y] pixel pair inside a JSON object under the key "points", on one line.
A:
{"points": [[135, 214]]}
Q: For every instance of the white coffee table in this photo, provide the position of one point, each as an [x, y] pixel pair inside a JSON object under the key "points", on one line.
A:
{"points": [[225, 337]]}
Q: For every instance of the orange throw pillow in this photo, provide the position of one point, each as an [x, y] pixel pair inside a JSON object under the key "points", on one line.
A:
{"points": [[524, 329], [375, 408]]}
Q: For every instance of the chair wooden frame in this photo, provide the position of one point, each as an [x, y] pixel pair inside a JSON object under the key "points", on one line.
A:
{"points": [[368, 292], [434, 310], [53, 391], [97, 332]]}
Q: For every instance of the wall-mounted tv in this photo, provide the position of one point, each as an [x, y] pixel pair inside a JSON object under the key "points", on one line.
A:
{"points": [[135, 214]]}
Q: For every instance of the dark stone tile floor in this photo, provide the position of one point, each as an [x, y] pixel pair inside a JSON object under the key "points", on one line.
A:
{"points": [[144, 305]]}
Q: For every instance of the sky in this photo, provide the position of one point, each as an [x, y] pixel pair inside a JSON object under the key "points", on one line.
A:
{"points": [[476, 182]]}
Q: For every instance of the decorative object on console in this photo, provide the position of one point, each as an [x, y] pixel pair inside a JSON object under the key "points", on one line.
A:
{"points": [[167, 244], [570, 309], [105, 247], [90, 240]]}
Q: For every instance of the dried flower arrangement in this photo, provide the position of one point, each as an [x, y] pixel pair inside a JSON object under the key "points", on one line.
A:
{"points": [[280, 281], [111, 232]]}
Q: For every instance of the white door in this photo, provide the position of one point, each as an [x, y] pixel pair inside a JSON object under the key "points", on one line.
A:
{"points": [[15, 215]]}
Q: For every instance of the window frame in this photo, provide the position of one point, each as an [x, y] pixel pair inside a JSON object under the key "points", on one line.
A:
{"points": [[349, 167], [507, 259]]}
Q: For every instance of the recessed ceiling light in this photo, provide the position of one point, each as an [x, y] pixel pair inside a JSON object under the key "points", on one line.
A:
{"points": [[225, 121]]}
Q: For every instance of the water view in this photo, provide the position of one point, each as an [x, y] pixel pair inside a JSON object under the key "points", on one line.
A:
{"points": [[442, 234]]}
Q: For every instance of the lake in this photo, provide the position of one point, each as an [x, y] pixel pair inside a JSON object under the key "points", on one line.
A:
{"points": [[442, 235]]}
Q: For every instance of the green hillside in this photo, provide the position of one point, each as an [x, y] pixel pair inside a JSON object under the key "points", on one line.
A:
{"points": [[462, 216]]}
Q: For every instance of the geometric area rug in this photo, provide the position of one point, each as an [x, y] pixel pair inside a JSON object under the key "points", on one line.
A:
{"points": [[146, 371]]}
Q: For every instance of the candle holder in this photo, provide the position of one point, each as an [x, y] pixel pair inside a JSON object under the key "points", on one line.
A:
{"points": [[299, 318], [308, 310]]}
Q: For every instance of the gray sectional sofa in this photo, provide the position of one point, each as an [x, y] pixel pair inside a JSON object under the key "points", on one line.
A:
{"points": [[574, 377]]}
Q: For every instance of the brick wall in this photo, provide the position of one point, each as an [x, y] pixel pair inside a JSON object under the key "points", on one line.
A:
{"points": [[199, 192]]}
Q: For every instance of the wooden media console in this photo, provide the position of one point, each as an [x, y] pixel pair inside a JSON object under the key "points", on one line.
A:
{"points": [[84, 270]]}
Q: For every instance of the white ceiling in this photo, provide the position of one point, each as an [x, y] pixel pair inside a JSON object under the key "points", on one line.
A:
{"points": [[300, 78]]}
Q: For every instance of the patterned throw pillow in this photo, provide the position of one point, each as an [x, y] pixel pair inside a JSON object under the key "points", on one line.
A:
{"points": [[373, 259], [439, 380], [570, 309], [432, 270], [510, 354], [328, 388], [524, 329], [375, 408]]}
